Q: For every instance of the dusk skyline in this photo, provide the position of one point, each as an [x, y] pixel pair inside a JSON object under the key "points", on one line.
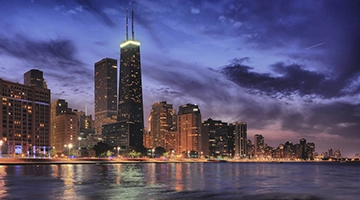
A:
{"points": [[290, 69]]}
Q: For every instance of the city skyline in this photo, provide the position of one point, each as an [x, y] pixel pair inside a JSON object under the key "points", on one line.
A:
{"points": [[287, 68]]}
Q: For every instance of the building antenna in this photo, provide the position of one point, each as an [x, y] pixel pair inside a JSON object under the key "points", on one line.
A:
{"points": [[132, 20], [85, 109], [127, 25]]}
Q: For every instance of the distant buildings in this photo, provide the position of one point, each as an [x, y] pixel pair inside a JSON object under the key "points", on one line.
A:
{"points": [[259, 145], [25, 115], [240, 133], [105, 92]]}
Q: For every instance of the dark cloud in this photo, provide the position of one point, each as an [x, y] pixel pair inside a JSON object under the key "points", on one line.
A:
{"points": [[289, 80], [57, 58], [54, 52], [337, 118], [97, 12]]}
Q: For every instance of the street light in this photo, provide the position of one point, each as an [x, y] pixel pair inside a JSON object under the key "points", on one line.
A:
{"points": [[79, 138], [153, 150], [118, 148], [70, 146], [1, 142]]}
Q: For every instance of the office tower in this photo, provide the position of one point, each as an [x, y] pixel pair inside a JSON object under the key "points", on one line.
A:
{"points": [[240, 133], [34, 77], [25, 117], [86, 127], [105, 92], [259, 145], [215, 138], [330, 150], [310, 150], [161, 122], [250, 149], [188, 138], [231, 140], [303, 148], [64, 127], [130, 89]]}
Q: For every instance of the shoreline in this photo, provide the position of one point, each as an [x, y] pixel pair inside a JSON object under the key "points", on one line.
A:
{"points": [[60, 161]]}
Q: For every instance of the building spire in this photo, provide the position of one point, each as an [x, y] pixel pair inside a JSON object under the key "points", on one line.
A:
{"points": [[127, 25], [132, 20]]}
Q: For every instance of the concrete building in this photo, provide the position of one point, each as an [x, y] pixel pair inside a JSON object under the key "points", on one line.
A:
{"points": [[162, 126], [259, 145], [64, 127], [25, 117], [215, 138], [240, 134], [188, 137]]}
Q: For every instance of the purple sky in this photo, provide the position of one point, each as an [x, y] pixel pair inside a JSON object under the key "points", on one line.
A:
{"points": [[290, 69]]}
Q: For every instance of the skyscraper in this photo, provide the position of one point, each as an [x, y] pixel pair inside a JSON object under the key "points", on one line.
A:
{"points": [[240, 133], [189, 124], [215, 138], [161, 125], [259, 145], [105, 92], [130, 89]]}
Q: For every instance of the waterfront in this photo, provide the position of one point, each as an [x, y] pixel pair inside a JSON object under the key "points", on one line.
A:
{"points": [[181, 181]]}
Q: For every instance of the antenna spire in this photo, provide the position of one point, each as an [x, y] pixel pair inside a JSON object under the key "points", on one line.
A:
{"points": [[127, 24], [132, 19]]}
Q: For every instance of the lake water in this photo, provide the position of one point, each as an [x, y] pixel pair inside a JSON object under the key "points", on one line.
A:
{"points": [[303, 181]]}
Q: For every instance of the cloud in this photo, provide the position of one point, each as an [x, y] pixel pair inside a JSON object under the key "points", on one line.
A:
{"points": [[57, 58], [288, 80], [111, 11], [96, 11], [195, 10]]}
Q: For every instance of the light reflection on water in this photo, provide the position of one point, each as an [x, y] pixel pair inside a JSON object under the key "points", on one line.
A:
{"points": [[181, 181]]}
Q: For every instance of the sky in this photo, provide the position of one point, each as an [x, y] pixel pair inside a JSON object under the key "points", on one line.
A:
{"points": [[290, 69]]}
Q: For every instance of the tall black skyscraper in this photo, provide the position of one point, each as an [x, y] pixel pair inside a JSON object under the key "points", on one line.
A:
{"points": [[130, 88], [105, 92]]}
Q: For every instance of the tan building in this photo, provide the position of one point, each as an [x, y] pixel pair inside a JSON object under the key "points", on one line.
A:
{"points": [[162, 123], [188, 137], [25, 117], [64, 127]]}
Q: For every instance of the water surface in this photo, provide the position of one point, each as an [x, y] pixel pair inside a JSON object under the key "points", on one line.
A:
{"points": [[182, 181]]}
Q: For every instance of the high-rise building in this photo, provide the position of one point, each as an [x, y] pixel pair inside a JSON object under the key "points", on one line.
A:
{"points": [[330, 150], [188, 137], [240, 133], [25, 117], [64, 127], [259, 145], [86, 127], [303, 148], [34, 77], [130, 89], [215, 137], [161, 126], [105, 92]]}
